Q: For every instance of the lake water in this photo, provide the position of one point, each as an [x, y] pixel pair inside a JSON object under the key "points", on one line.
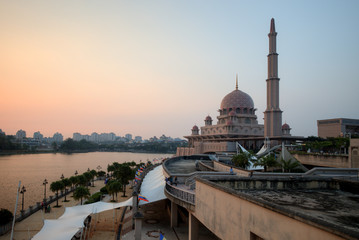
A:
{"points": [[32, 169]]}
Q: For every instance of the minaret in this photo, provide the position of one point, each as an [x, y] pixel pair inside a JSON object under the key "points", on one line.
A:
{"points": [[273, 114]]}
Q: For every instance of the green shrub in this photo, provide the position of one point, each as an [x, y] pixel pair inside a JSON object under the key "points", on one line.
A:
{"points": [[104, 190], [5, 216], [94, 198]]}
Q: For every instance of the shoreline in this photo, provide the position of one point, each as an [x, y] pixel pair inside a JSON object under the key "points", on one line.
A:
{"points": [[74, 152]]}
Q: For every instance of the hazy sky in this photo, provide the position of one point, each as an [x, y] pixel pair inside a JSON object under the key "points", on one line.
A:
{"points": [[159, 67]]}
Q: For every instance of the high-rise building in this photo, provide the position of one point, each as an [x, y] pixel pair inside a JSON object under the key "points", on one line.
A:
{"points": [[21, 134], [273, 114], [38, 136], [58, 137], [128, 136]]}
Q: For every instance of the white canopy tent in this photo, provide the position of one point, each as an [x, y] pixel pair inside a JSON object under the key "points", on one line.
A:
{"points": [[66, 226]]}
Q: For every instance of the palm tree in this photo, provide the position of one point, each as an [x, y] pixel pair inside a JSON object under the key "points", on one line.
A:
{"points": [[266, 162], [81, 180], [123, 174], [73, 181], [242, 160], [88, 177], [113, 188], [56, 187], [289, 165], [94, 174], [67, 183], [80, 193]]}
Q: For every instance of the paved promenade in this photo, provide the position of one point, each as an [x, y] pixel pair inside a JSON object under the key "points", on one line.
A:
{"points": [[28, 227]]}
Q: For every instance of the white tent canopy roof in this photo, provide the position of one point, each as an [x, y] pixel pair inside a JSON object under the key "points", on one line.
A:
{"points": [[66, 226]]}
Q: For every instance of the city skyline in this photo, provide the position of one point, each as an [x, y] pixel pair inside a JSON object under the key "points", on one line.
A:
{"points": [[162, 67]]}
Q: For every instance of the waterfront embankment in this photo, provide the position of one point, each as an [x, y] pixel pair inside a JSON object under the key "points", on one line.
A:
{"points": [[107, 222]]}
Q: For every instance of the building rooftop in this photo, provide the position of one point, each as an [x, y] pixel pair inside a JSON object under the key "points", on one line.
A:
{"points": [[327, 203]]}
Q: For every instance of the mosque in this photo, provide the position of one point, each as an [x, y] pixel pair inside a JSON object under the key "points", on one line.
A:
{"points": [[237, 120]]}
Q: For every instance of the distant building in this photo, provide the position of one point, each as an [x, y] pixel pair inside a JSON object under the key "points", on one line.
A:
{"points": [[58, 138], [128, 136], [38, 136], [1, 132], [21, 134], [94, 137], [138, 139], [337, 127]]}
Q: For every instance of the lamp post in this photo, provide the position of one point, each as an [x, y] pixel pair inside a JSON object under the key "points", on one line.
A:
{"points": [[44, 183], [22, 191], [76, 173], [62, 177]]}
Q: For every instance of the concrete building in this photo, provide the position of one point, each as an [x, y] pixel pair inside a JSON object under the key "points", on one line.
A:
{"points": [[337, 127], [128, 136], [58, 138], [21, 134], [38, 136], [318, 204]]}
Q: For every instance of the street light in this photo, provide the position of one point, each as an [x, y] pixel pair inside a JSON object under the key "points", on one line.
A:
{"points": [[62, 177], [44, 183], [22, 191], [76, 173]]}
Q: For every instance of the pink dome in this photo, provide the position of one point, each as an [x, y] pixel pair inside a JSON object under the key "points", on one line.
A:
{"points": [[285, 126], [237, 99], [195, 127], [208, 118]]}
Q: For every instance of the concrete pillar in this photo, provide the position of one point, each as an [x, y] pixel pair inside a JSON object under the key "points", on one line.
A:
{"points": [[134, 206], [138, 225], [193, 227], [174, 214]]}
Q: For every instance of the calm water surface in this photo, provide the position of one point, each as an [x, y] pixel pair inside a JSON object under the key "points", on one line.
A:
{"points": [[32, 169]]}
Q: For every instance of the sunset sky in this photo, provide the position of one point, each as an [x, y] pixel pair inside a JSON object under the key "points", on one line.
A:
{"points": [[159, 67]]}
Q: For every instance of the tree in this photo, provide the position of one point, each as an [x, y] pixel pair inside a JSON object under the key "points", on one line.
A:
{"points": [[123, 174], [242, 160], [266, 162], [73, 181], [101, 173], [94, 174], [289, 165], [88, 177], [80, 193], [113, 188], [81, 180], [56, 187], [67, 183]]}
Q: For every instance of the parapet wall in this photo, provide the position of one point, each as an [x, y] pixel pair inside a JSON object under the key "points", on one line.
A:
{"points": [[221, 167], [323, 160], [276, 183]]}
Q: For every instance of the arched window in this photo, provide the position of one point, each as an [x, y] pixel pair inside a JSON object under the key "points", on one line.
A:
{"points": [[248, 121], [238, 110], [224, 111], [245, 111]]}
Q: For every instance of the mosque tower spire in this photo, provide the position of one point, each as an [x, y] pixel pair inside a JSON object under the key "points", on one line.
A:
{"points": [[237, 81], [272, 114]]}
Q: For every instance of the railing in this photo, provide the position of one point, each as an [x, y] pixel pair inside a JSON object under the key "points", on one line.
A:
{"points": [[181, 194]]}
